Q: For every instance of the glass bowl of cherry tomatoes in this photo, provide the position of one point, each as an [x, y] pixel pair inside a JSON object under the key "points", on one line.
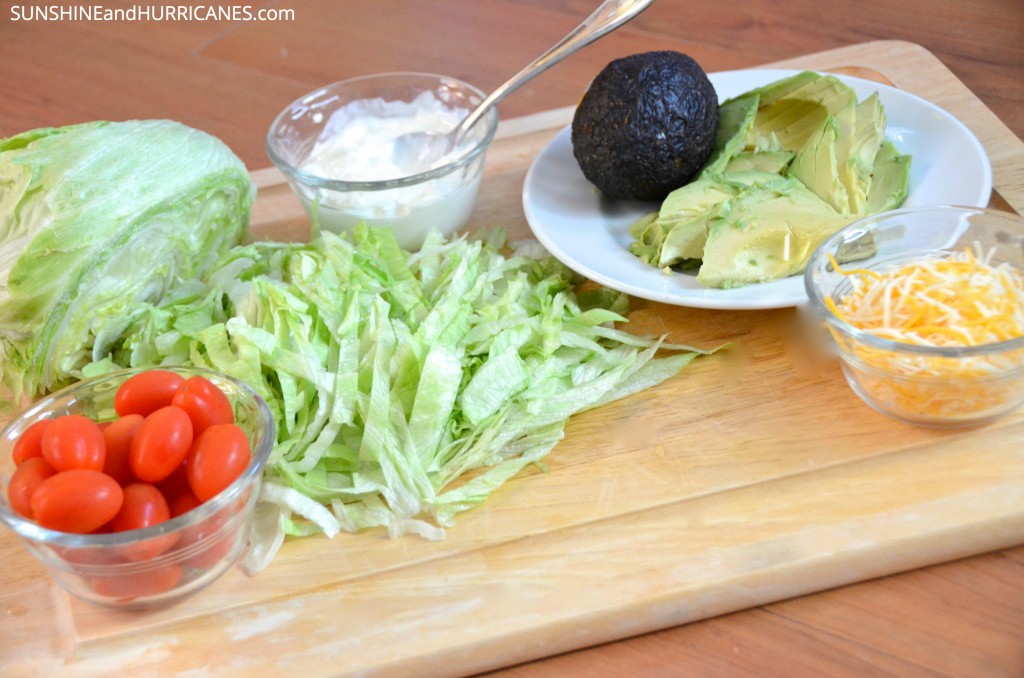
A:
{"points": [[137, 488]]}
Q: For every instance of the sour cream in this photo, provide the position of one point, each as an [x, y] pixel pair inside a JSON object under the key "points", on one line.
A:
{"points": [[357, 144]]}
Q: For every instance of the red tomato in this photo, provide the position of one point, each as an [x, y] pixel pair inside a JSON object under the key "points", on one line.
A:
{"points": [[183, 503], [209, 535], [118, 437], [126, 586], [24, 481], [79, 500], [85, 555], [144, 506], [213, 552], [161, 444], [74, 441], [216, 459], [146, 392], [205, 403], [30, 443], [176, 484]]}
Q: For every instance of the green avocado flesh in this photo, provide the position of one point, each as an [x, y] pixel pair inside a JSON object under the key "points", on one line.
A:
{"points": [[766, 233], [794, 161]]}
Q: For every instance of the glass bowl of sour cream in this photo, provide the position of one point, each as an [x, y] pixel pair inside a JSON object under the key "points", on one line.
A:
{"points": [[337, 148]]}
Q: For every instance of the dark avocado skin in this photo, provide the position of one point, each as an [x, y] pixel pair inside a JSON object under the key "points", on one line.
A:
{"points": [[646, 125]]}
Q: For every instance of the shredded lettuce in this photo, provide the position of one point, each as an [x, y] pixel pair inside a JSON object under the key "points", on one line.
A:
{"points": [[405, 387], [97, 222]]}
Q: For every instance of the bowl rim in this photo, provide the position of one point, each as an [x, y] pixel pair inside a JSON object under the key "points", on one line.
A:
{"points": [[816, 297], [30, 530], [490, 119]]}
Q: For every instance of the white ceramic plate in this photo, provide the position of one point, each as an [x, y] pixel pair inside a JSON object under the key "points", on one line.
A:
{"points": [[590, 234]]}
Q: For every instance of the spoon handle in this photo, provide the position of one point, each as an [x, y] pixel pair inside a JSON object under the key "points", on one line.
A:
{"points": [[608, 16]]}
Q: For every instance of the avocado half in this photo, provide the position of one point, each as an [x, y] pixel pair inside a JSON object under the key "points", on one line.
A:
{"points": [[646, 125]]}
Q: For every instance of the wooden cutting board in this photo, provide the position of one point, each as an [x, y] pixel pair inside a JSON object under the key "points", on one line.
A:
{"points": [[754, 476]]}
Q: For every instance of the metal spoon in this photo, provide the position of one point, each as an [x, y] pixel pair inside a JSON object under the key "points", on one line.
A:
{"points": [[417, 151]]}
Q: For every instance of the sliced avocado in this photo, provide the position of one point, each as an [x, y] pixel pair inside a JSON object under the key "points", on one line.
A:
{"points": [[794, 161], [816, 166], [735, 118], [693, 199], [684, 211], [749, 178], [890, 178], [829, 91], [775, 162], [794, 117], [869, 132], [683, 246], [773, 91], [647, 237], [846, 121], [689, 210], [765, 233], [784, 125]]}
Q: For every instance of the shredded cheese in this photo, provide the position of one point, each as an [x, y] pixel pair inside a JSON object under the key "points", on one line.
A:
{"points": [[959, 300]]}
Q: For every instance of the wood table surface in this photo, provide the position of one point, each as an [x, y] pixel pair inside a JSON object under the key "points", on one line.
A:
{"points": [[963, 619]]}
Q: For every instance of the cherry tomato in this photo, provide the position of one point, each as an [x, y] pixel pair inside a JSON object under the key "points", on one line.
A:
{"points": [[146, 392], [160, 444], [118, 437], [24, 481], [213, 552], [216, 459], [176, 484], [183, 503], [205, 403], [144, 506], [85, 555], [30, 443], [127, 586], [74, 441], [209, 535], [79, 500]]}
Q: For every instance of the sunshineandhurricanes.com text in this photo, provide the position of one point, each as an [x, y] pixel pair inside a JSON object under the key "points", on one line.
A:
{"points": [[152, 12]]}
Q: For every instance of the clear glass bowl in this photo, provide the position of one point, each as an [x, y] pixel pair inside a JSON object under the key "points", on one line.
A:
{"points": [[107, 569], [934, 386], [441, 198]]}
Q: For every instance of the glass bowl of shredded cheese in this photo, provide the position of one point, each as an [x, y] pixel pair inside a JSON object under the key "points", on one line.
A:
{"points": [[926, 307]]}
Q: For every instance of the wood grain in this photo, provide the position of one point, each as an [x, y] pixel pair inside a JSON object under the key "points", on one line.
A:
{"points": [[957, 619], [634, 528]]}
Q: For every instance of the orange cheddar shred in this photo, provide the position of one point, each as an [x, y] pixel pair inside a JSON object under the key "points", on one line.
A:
{"points": [[959, 300]]}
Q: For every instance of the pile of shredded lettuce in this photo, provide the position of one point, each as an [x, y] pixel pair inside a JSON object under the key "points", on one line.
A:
{"points": [[392, 375]]}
